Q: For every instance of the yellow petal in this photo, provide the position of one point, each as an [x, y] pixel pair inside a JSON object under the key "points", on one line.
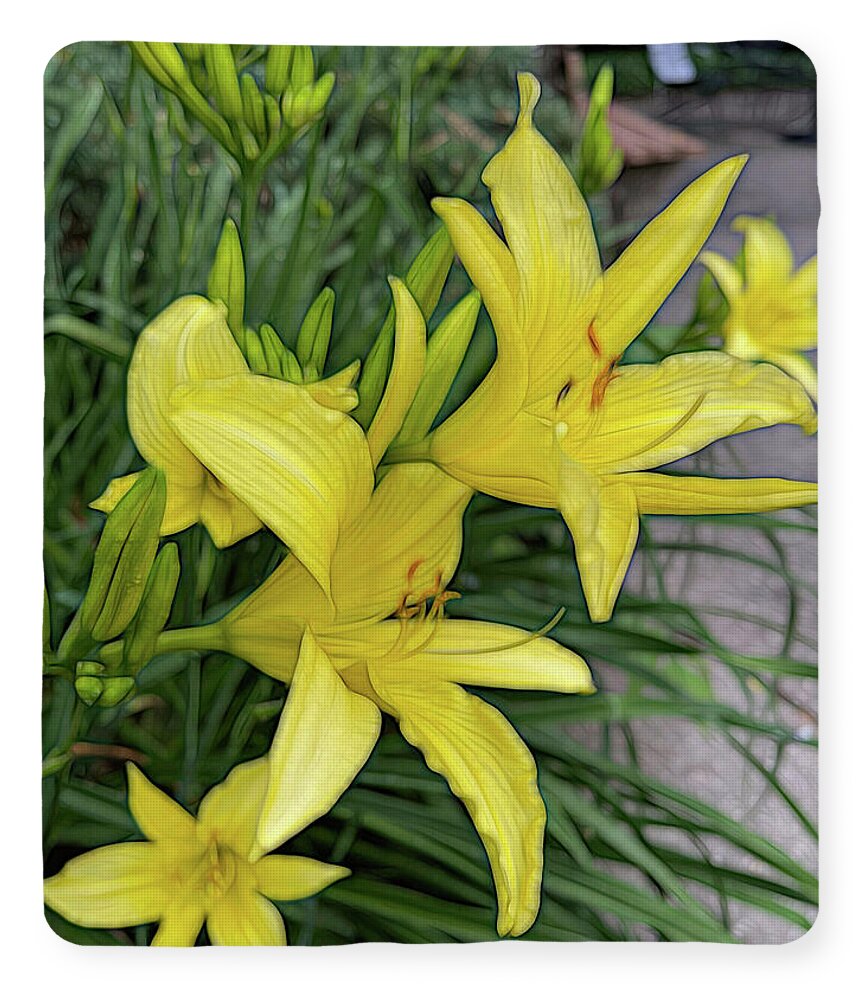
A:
{"points": [[646, 272], [728, 278], [324, 737], [655, 414], [663, 494], [768, 256], [487, 766], [302, 468], [485, 654], [491, 269], [189, 341], [602, 518], [180, 923], [157, 815], [122, 885], [805, 281], [227, 519], [547, 227], [797, 367], [288, 878], [266, 629], [407, 367], [245, 918], [408, 539], [230, 810], [337, 391]]}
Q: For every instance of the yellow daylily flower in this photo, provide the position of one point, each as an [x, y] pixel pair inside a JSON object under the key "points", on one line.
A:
{"points": [[558, 422], [238, 449], [191, 871], [383, 645], [773, 312]]}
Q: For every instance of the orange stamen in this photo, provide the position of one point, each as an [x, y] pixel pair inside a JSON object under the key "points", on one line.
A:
{"points": [[593, 340]]}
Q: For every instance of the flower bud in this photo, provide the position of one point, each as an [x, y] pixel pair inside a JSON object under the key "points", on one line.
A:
{"points": [[227, 282], [302, 69], [254, 108], [115, 690], [123, 558], [315, 334], [88, 689], [277, 65], [140, 639], [425, 281], [446, 349], [223, 75]]}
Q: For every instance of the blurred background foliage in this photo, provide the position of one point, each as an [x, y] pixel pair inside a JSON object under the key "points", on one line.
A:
{"points": [[136, 195]]}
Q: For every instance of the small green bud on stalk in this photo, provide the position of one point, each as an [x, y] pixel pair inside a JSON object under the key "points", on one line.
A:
{"points": [[277, 65], [303, 69], [227, 92], [123, 558], [255, 353], [89, 689], [446, 349], [227, 281], [273, 349], [321, 92], [115, 690], [314, 337], [425, 280], [140, 640], [254, 108]]}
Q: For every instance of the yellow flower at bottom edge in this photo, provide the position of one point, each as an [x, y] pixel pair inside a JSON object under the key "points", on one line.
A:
{"points": [[385, 646], [773, 312], [191, 871], [558, 422]]}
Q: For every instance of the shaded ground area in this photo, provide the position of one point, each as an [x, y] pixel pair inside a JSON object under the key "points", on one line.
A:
{"points": [[779, 179]]}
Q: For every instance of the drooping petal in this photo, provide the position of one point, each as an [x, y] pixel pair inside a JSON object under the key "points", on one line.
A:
{"points": [[485, 654], [728, 278], [303, 468], [658, 493], [768, 255], [325, 735], [288, 878], [603, 521], [797, 367], [655, 414], [157, 815], [547, 227], [122, 885], [407, 367], [487, 766], [407, 541], [230, 810], [189, 341], [245, 918], [180, 923], [649, 268]]}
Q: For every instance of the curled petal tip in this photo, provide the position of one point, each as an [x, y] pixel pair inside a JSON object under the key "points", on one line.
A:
{"points": [[529, 90]]}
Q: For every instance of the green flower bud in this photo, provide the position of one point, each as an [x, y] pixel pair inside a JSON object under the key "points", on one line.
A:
{"points": [[140, 640], [315, 334], [425, 281], [89, 668], [255, 353], [446, 349], [227, 282], [254, 108], [599, 161], [303, 69], [115, 690], [89, 689], [321, 93], [277, 65], [223, 76], [123, 558]]}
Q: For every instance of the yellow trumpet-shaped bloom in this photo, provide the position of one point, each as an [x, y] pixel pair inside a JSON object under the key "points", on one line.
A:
{"points": [[558, 422], [191, 871], [773, 312], [383, 645], [238, 449]]}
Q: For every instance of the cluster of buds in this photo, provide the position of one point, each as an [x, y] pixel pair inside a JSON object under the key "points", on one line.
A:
{"points": [[254, 115], [130, 593], [599, 161]]}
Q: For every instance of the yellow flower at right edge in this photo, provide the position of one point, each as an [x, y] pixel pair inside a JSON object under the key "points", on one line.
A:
{"points": [[192, 870], [558, 422], [773, 312]]}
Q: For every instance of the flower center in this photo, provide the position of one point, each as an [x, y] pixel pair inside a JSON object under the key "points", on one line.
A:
{"points": [[216, 871]]}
